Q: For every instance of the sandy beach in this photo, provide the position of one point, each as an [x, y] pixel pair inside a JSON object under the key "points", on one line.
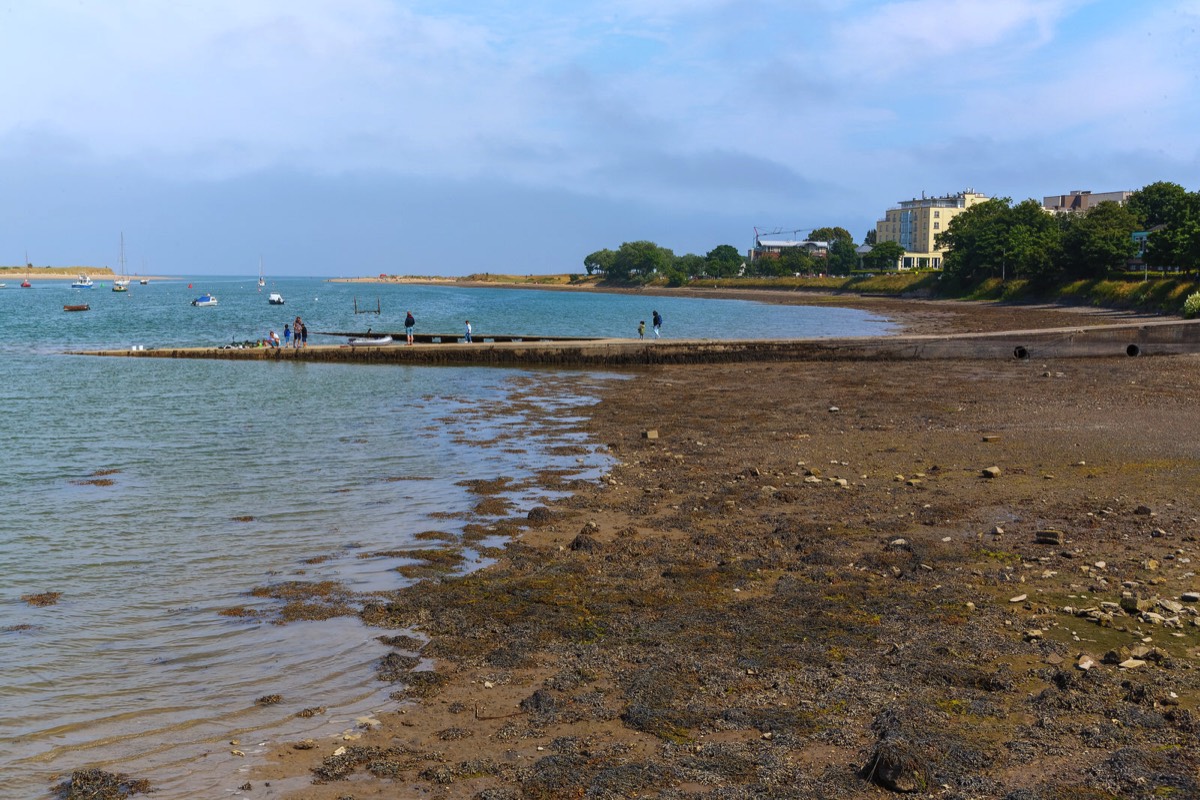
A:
{"points": [[959, 579]]}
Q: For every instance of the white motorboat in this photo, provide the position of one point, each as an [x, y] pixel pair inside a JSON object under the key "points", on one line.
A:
{"points": [[205, 299], [361, 341], [275, 299], [82, 282]]}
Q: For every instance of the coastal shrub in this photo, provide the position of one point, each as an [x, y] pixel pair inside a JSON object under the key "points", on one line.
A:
{"points": [[1191, 306]]}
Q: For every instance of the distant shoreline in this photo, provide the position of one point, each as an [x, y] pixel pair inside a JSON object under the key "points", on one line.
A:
{"points": [[71, 273]]}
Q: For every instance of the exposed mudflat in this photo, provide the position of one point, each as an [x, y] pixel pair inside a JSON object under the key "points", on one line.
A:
{"points": [[958, 579]]}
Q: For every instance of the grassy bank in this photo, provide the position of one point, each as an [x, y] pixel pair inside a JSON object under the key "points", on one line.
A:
{"points": [[1161, 294]]}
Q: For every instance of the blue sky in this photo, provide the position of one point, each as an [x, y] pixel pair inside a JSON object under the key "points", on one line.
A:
{"points": [[352, 137]]}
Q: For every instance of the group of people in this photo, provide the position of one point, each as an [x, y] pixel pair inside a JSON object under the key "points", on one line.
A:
{"points": [[656, 320], [294, 335]]}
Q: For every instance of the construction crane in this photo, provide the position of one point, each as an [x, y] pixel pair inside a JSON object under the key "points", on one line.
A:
{"points": [[758, 234]]}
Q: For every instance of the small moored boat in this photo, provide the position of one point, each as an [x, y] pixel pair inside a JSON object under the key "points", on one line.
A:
{"points": [[78, 307], [360, 341], [82, 282], [275, 299], [205, 299]]}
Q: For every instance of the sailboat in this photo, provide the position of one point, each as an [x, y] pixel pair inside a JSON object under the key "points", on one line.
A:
{"points": [[121, 283], [261, 280], [25, 284]]}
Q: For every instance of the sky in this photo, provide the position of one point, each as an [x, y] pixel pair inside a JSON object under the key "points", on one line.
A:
{"points": [[447, 137]]}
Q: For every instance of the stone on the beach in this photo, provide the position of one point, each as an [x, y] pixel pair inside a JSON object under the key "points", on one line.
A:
{"points": [[650, 434], [1190, 597], [1018, 599], [539, 515], [584, 543], [899, 543], [991, 472], [1135, 604], [991, 437], [1143, 511], [1085, 662], [1049, 536], [305, 744], [1132, 663], [834, 409]]}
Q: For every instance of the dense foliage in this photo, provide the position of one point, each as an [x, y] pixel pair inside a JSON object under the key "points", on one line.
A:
{"points": [[643, 261], [992, 240], [996, 239]]}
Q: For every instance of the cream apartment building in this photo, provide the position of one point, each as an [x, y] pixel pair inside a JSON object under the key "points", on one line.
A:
{"points": [[915, 223]]}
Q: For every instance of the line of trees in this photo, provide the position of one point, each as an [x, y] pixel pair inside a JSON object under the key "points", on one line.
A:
{"points": [[643, 260], [992, 239], [999, 239]]}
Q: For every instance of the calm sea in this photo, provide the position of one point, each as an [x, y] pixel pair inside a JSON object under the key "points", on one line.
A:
{"points": [[153, 494]]}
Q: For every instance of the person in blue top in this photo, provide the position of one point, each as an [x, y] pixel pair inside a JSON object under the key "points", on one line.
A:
{"points": [[287, 334], [657, 320], [409, 323]]}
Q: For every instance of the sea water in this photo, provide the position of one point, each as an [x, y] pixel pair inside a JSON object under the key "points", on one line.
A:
{"points": [[153, 495]]}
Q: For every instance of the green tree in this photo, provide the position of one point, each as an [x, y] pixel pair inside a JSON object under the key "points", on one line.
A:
{"points": [[975, 242], [796, 261], [1177, 245], [883, 257], [870, 237], [830, 235], [1098, 241], [691, 264], [599, 262], [1160, 203], [843, 257], [1034, 247], [1176, 212], [723, 261], [639, 261]]}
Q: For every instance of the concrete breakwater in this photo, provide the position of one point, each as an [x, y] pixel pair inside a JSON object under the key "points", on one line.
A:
{"points": [[1167, 337]]}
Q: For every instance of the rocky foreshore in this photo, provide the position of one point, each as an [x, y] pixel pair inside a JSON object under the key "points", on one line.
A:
{"points": [[960, 579]]}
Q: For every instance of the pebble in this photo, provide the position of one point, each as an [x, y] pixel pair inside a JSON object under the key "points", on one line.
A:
{"points": [[991, 472], [1132, 663], [1085, 663], [1018, 599]]}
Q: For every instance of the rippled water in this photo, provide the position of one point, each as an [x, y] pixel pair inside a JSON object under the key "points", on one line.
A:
{"points": [[155, 494]]}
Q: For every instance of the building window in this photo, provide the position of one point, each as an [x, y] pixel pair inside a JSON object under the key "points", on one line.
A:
{"points": [[937, 225], [937, 214]]}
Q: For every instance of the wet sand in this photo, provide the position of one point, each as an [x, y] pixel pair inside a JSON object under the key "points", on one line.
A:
{"points": [[963, 579]]}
